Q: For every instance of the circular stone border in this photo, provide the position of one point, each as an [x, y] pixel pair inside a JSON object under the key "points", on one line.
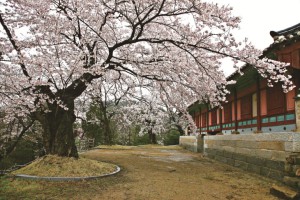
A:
{"points": [[24, 176]]}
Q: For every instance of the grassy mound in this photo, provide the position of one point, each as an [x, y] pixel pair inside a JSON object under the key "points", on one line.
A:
{"points": [[55, 166]]}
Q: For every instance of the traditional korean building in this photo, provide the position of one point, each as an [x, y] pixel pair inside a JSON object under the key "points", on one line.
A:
{"points": [[252, 105]]}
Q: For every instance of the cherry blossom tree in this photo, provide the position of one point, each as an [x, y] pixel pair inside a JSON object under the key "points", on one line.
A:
{"points": [[152, 115], [108, 94], [52, 50], [149, 114]]}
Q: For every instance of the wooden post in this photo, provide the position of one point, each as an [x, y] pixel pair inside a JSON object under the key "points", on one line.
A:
{"points": [[258, 103], [200, 123], [207, 118], [221, 119], [235, 110], [297, 110]]}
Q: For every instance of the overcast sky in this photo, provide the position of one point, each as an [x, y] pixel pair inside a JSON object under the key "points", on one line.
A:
{"points": [[259, 17]]}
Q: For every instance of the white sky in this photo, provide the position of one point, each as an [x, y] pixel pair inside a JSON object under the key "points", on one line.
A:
{"points": [[259, 17]]}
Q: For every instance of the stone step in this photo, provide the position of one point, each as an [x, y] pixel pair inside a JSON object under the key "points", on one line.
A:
{"points": [[284, 192]]}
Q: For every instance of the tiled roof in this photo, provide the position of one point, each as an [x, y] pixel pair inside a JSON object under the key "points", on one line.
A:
{"points": [[281, 39], [284, 37], [289, 30]]}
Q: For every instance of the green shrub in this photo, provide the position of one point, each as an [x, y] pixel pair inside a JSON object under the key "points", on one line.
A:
{"points": [[171, 137], [24, 152], [141, 140]]}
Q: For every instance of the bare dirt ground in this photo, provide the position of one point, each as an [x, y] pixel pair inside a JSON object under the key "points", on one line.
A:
{"points": [[173, 173], [151, 172]]}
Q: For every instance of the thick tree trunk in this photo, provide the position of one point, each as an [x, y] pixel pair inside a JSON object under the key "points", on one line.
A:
{"points": [[58, 136], [152, 137], [107, 132]]}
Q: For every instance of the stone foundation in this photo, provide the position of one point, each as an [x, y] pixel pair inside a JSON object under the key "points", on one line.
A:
{"points": [[274, 155], [270, 168], [192, 143]]}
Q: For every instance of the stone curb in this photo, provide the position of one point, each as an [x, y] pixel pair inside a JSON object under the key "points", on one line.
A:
{"points": [[24, 176]]}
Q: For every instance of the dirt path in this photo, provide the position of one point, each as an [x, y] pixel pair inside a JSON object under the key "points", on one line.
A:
{"points": [[173, 173], [150, 172]]}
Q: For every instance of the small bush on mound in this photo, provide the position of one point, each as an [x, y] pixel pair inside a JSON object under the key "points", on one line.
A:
{"points": [[55, 166]]}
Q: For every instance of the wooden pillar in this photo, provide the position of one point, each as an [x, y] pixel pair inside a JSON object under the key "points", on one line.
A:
{"points": [[207, 118], [258, 103], [221, 119], [200, 122], [235, 110], [297, 100], [285, 105], [297, 110]]}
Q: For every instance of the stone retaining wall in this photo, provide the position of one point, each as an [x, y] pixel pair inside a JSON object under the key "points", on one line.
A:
{"points": [[192, 143], [269, 168], [273, 146], [274, 155]]}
